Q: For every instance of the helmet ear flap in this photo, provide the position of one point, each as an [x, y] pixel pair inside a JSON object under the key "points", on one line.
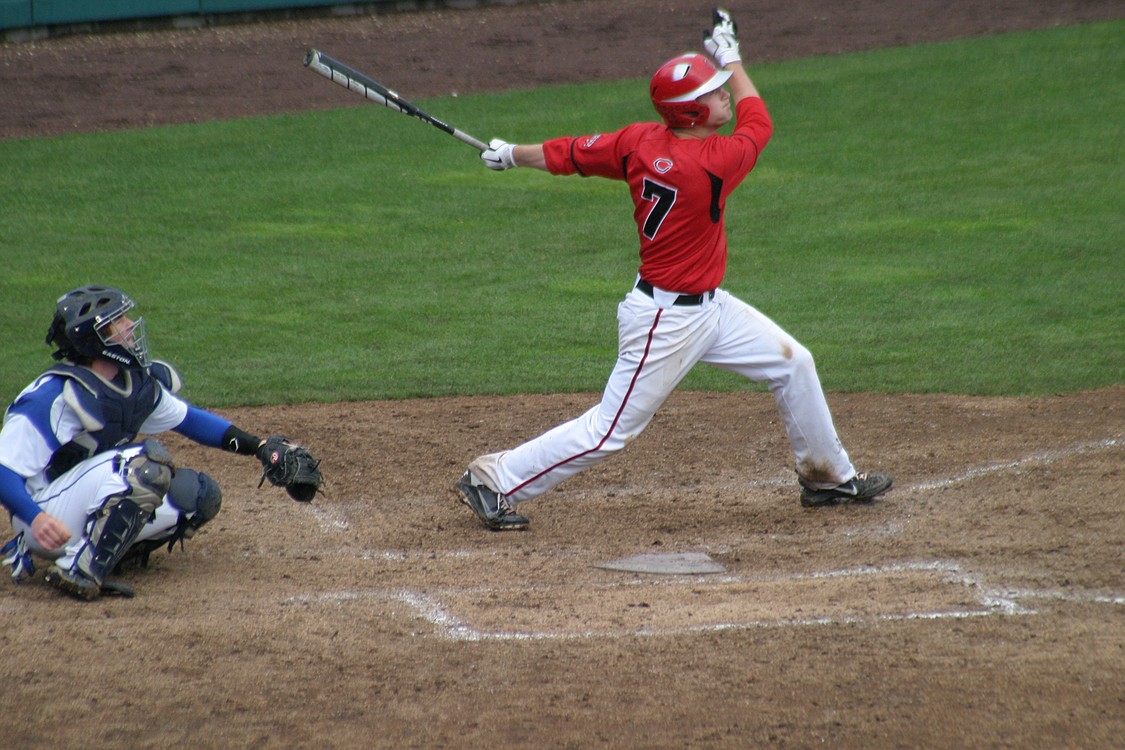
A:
{"points": [[683, 114], [56, 336]]}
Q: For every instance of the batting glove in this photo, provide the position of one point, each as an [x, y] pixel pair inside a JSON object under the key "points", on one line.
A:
{"points": [[722, 20], [722, 43], [498, 155]]}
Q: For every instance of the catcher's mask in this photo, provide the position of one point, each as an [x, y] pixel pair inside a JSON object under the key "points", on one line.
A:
{"points": [[677, 85], [91, 322]]}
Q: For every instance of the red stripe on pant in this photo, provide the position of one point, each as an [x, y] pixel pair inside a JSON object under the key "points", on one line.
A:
{"points": [[616, 417]]}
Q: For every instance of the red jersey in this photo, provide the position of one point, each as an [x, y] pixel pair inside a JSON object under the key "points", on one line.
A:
{"points": [[679, 188]]}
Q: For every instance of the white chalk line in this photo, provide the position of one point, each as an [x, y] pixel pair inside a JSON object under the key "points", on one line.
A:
{"points": [[1043, 457], [993, 601], [1049, 455], [329, 521]]}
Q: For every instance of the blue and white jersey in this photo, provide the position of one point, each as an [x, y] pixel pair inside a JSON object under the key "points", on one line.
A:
{"points": [[72, 406]]}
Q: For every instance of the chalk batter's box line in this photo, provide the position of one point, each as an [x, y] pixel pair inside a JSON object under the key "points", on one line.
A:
{"points": [[994, 601], [452, 628], [1043, 457], [429, 607]]}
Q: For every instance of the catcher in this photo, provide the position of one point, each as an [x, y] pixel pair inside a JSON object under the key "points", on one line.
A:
{"points": [[82, 490]]}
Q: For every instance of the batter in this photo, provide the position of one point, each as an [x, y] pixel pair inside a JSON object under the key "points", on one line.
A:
{"points": [[680, 174]]}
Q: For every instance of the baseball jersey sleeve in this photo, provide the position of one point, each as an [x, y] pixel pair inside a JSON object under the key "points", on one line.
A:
{"points": [[203, 427], [598, 155], [14, 496], [732, 157], [169, 413], [35, 425]]}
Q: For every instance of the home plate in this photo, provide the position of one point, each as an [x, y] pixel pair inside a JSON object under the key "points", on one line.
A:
{"points": [[669, 563]]}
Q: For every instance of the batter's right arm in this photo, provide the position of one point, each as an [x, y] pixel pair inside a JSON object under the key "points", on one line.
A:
{"points": [[740, 84], [722, 44]]}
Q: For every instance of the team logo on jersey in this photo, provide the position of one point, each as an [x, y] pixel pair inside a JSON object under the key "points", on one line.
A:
{"points": [[662, 165], [591, 140]]}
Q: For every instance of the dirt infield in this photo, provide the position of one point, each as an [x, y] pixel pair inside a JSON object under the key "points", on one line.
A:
{"points": [[128, 80], [980, 604]]}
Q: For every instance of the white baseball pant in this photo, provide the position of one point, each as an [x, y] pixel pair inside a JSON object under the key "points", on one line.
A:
{"points": [[658, 344], [77, 494]]}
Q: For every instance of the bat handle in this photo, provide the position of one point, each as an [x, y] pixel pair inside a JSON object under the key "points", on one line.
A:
{"points": [[475, 143]]}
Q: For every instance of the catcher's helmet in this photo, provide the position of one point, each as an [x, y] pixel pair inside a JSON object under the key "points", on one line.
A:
{"points": [[678, 83], [81, 328]]}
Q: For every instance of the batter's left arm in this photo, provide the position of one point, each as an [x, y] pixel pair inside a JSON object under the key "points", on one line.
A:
{"points": [[530, 156], [502, 155]]}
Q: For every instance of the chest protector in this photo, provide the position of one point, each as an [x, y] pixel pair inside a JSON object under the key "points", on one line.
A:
{"points": [[111, 413]]}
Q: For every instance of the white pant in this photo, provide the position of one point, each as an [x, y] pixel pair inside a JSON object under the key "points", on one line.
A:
{"points": [[657, 347], [78, 493]]}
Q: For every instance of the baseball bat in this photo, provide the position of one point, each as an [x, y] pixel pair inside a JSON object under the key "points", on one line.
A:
{"points": [[372, 90]]}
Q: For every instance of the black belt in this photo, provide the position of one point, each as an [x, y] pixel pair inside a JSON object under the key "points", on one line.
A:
{"points": [[683, 299]]}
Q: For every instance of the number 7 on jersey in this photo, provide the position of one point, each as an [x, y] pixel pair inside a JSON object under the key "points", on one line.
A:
{"points": [[663, 198]]}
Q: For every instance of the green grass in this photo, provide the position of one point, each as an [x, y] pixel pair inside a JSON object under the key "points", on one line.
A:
{"points": [[937, 218]]}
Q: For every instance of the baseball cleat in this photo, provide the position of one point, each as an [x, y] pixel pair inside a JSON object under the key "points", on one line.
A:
{"points": [[73, 583], [862, 488], [82, 587], [492, 508]]}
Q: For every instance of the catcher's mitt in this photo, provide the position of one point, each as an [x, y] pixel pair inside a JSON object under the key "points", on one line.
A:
{"points": [[290, 466]]}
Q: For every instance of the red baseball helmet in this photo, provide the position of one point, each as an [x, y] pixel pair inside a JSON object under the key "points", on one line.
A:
{"points": [[678, 83]]}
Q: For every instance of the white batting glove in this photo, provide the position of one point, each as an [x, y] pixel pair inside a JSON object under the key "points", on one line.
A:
{"points": [[722, 20], [498, 155], [722, 42]]}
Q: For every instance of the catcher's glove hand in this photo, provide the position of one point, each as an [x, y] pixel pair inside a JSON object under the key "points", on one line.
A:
{"points": [[290, 466]]}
